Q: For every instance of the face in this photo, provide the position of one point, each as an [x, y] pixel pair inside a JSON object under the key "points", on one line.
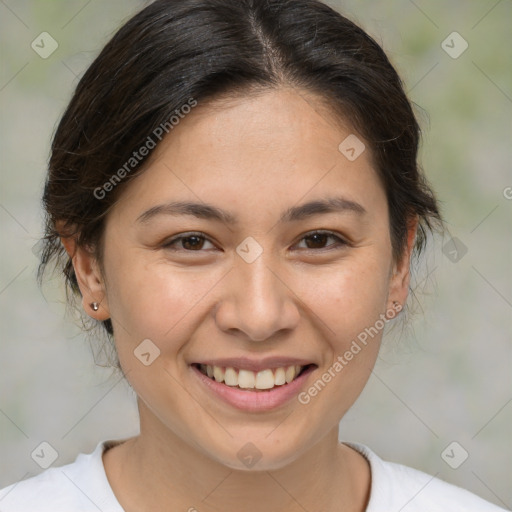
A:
{"points": [[251, 279]]}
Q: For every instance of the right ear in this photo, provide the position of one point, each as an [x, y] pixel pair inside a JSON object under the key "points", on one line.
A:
{"points": [[89, 279]]}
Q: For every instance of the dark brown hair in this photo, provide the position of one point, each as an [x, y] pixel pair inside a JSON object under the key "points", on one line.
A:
{"points": [[175, 50]]}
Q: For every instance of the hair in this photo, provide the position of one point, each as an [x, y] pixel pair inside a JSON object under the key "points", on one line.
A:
{"points": [[173, 51]]}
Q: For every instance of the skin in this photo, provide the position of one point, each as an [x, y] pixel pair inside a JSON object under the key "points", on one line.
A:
{"points": [[255, 157]]}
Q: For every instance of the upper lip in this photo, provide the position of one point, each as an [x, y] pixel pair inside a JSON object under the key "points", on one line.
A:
{"points": [[255, 365]]}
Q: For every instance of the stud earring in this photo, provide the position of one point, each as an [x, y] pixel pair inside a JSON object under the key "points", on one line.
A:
{"points": [[95, 306]]}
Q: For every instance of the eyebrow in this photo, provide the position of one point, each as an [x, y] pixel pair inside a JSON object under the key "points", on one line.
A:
{"points": [[293, 214]]}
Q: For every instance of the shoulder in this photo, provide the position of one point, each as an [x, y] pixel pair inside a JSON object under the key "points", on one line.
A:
{"points": [[397, 487], [81, 486]]}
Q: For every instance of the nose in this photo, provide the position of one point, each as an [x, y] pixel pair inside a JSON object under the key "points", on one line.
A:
{"points": [[257, 303]]}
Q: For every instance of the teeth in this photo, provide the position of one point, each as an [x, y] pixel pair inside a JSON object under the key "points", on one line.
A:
{"points": [[279, 377], [218, 374], [289, 374], [230, 377], [264, 380], [246, 379]]}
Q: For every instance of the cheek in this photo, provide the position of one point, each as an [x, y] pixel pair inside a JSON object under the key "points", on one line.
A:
{"points": [[351, 297], [155, 300], [349, 302]]}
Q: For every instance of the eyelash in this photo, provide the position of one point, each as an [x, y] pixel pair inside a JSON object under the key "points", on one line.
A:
{"points": [[340, 241]]}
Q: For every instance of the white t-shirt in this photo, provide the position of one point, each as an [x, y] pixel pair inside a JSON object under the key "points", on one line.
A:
{"points": [[82, 486]]}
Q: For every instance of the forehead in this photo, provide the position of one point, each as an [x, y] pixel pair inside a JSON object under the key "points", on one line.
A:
{"points": [[275, 145], [275, 120]]}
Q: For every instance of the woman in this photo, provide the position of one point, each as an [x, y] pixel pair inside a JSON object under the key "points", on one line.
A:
{"points": [[234, 194]]}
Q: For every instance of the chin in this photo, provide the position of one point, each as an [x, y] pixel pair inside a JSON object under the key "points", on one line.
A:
{"points": [[260, 454]]}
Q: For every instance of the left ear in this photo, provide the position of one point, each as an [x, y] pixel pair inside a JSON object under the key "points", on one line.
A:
{"points": [[401, 275]]}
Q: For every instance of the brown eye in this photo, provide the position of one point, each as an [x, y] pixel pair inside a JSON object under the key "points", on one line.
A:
{"points": [[193, 242], [319, 239]]}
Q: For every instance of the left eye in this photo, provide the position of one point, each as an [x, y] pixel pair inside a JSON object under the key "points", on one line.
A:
{"points": [[194, 242], [320, 238]]}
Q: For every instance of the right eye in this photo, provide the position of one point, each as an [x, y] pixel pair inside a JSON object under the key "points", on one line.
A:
{"points": [[190, 242]]}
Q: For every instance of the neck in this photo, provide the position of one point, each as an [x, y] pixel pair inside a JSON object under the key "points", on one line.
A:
{"points": [[157, 470]]}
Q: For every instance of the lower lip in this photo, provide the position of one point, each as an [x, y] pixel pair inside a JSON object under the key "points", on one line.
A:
{"points": [[254, 401]]}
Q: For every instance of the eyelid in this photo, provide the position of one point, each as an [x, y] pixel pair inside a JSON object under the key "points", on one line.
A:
{"points": [[167, 244], [341, 240]]}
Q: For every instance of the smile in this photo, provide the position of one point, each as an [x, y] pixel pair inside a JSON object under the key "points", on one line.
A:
{"points": [[249, 380], [254, 390]]}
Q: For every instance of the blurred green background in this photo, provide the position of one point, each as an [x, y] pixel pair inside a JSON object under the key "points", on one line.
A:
{"points": [[444, 377]]}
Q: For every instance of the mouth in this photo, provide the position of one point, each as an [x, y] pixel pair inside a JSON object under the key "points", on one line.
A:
{"points": [[252, 381]]}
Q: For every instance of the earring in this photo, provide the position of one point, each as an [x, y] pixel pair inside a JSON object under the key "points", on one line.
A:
{"points": [[95, 306]]}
